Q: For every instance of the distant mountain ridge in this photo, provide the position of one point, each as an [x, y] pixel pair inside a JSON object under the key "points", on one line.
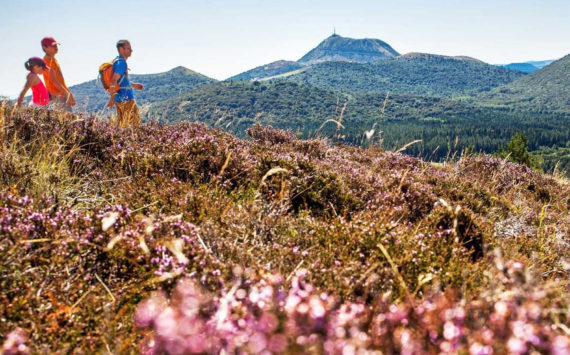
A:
{"points": [[419, 55], [522, 67], [528, 67], [412, 73], [371, 65], [544, 89], [542, 63], [333, 49], [91, 97], [342, 49]]}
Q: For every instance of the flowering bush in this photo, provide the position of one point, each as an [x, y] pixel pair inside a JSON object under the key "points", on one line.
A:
{"points": [[15, 343], [266, 317], [396, 251]]}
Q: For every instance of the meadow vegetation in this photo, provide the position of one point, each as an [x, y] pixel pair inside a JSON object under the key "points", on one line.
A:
{"points": [[186, 239]]}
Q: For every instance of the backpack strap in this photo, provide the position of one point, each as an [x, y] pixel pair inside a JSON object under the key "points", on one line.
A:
{"points": [[122, 75]]}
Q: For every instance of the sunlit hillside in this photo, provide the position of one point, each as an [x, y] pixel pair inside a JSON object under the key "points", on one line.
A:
{"points": [[179, 239]]}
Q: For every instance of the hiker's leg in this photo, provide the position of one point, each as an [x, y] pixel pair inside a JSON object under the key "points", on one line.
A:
{"points": [[135, 115], [58, 104], [121, 114], [132, 117]]}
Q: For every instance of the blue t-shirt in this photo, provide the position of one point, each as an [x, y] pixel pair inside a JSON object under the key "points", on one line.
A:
{"points": [[125, 92]]}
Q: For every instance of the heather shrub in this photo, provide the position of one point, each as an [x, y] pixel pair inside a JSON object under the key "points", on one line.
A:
{"points": [[15, 343], [269, 135], [504, 174], [395, 250], [268, 316], [462, 227]]}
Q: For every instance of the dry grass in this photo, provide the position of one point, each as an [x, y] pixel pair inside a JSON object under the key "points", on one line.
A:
{"points": [[116, 214]]}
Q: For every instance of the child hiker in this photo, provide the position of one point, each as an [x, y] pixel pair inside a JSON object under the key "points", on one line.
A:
{"points": [[40, 95]]}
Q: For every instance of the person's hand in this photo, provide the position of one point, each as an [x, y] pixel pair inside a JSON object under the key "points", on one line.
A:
{"points": [[111, 102], [137, 86], [19, 103]]}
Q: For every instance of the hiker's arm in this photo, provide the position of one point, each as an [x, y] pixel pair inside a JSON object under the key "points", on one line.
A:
{"points": [[69, 100], [27, 87], [113, 88]]}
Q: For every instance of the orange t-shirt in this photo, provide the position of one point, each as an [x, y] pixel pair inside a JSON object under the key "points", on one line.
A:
{"points": [[53, 89]]}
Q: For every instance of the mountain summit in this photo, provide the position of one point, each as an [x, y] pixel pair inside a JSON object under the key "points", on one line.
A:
{"points": [[338, 48]]}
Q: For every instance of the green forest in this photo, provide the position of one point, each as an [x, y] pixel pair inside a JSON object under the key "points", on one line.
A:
{"points": [[419, 74], [445, 127]]}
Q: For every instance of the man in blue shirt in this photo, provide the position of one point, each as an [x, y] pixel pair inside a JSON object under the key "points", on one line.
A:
{"points": [[121, 88]]}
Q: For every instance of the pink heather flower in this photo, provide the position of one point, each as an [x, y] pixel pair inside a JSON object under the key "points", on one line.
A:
{"points": [[525, 331], [190, 326], [349, 350], [266, 292], [241, 294], [254, 295], [303, 308], [446, 347], [488, 336], [450, 331], [398, 314], [257, 343], [517, 266], [433, 335], [166, 323], [479, 349], [317, 309], [501, 308], [533, 311], [267, 323], [339, 332], [277, 343], [189, 305], [516, 346], [291, 303], [15, 343], [197, 344], [560, 345], [408, 349], [148, 310]]}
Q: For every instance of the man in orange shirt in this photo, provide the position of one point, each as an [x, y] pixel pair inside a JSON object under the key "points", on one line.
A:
{"points": [[59, 94]]}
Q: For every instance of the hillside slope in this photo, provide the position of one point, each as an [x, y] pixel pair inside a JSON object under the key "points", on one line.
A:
{"points": [[173, 239], [271, 69], [91, 97], [438, 122], [544, 89], [415, 73]]}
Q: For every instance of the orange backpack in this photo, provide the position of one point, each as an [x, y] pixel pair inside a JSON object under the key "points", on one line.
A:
{"points": [[105, 74]]}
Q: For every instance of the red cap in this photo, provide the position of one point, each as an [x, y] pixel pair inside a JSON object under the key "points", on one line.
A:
{"points": [[48, 42]]}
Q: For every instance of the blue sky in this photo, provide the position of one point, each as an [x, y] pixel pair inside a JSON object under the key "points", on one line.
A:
{"points": [[222, 38]]}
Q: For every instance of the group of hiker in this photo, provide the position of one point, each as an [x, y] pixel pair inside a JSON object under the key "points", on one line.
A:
{"points": [[56, 95]]}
